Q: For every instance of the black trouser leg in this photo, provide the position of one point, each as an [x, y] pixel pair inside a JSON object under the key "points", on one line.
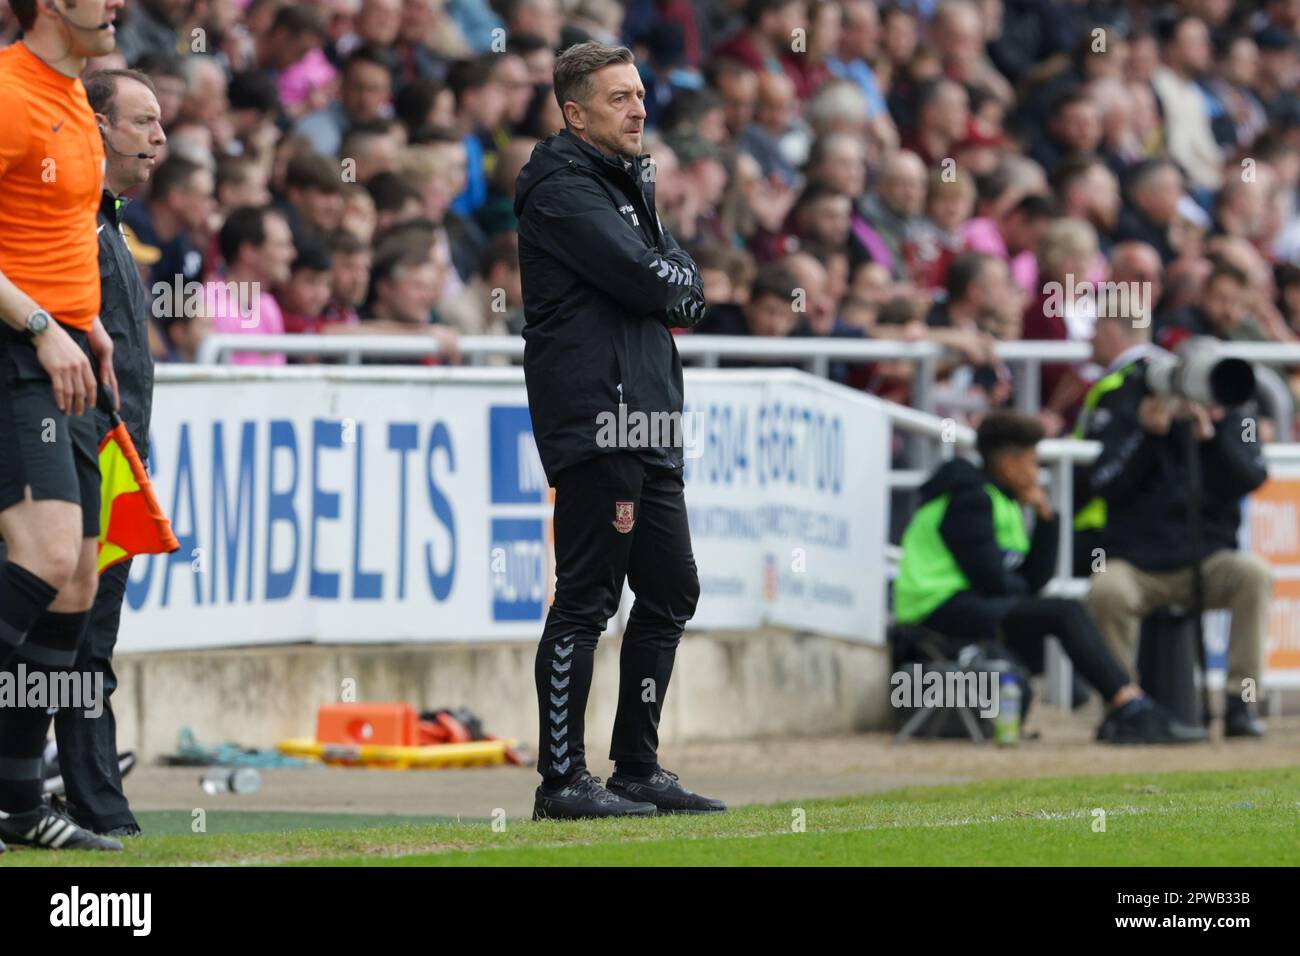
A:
{"points": [[591, 557], [88, 745], [661, 571], [49, 651], [1032, 619]]}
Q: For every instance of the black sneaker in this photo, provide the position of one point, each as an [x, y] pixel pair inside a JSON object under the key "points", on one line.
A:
{"points": [[1143, 721], [1240, 719], [662, 789], [52, 829], [585, 799], [126, 830]]}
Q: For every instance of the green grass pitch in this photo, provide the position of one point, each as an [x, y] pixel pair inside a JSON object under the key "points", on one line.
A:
{"points": [[1237, 818]]}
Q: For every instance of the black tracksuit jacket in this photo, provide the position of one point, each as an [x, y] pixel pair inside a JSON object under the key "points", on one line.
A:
{"points": [[602, 284], [1144, 480]]}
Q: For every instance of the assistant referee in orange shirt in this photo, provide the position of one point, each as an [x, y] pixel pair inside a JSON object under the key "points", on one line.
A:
{"points": [[51, 338]]}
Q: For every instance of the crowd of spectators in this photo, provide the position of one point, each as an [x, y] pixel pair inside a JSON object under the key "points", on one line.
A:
{"points": [[913, 170]]}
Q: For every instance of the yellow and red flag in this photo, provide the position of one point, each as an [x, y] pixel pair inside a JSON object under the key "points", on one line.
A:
{"points": [[131, 521]]}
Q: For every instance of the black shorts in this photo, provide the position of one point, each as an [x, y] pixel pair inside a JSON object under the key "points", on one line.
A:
{"points": [[57, 455]]}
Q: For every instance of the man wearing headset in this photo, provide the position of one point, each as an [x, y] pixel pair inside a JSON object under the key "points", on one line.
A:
{"points": [[126, 108], [51, 340]]}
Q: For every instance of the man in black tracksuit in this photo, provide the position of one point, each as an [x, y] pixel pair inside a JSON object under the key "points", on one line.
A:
{"points": [[602, 285], [127, 109]]}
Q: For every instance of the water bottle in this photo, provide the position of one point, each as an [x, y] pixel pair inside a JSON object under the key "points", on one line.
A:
{"points": [[238, 780], [1006, 722]]}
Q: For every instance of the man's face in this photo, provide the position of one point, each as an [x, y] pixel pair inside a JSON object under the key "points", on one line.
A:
{"points": [[365, 91], [845, 167], [827, 220], [1017, 469], [860, 33], [351, 277], [739, 98], [275, 256], [512, 74], [138, 129], [380, 21], [1021, 232], [781, 24], [89, 13], [306, 293], [903, 188], [171, 94], [249, 191], [1224, 304], [487, 105], [1192, 49], [614, 120], [770, 315], [1158, 196], [412, 293], [193, 201], [1078, 126], [324, 210], [1102, 199], [950, 111]]}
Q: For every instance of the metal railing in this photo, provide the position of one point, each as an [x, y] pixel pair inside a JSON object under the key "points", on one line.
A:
{"points": [[1025, 358]]}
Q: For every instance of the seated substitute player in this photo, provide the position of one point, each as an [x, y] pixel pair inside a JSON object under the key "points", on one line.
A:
{"points": [[970, 570], [51, 178]]}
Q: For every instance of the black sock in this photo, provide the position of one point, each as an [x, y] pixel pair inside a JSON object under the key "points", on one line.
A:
{"points": [[51, 647], [23, 599], [633, 768]]}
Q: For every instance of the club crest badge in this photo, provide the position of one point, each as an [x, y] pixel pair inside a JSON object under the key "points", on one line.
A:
{"points": [[623, 520]]}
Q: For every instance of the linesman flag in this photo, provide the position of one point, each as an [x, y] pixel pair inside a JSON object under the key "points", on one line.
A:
{"points": [[131, 521]]}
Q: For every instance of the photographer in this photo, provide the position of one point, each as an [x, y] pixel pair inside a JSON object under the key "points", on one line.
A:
{"points": [[971, 571], [1153, 537]]}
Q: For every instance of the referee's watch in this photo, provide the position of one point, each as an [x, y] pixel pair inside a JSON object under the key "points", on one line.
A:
{"points": [[37, 323]]}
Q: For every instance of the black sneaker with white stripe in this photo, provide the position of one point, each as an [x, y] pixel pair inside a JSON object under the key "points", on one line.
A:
{"points": [[662, 789], [586, 799], [51, 828]]}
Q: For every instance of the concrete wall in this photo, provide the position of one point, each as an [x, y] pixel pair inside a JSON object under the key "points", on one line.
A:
{"points": [[726, 685]]}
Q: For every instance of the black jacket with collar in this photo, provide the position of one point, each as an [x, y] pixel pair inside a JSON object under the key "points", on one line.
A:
{"points": [[602, 284], [1144, 479], [124, 311]]}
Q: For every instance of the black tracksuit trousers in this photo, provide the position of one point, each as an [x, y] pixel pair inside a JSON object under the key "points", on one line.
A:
{"points": [[88, 758], [1024, 621], [616, 518]]}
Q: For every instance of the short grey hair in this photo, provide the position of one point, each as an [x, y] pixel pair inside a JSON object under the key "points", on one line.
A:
{"points": [[575, 65]]}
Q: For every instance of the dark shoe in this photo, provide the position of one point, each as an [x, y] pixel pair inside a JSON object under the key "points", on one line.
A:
{"points": [[662, 789], [1143, 721], [585, 799], [126, 830], [1240, 719], [52, 829]]}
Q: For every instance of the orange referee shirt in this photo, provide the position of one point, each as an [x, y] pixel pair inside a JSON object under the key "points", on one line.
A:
{"points": [[51, 182]]}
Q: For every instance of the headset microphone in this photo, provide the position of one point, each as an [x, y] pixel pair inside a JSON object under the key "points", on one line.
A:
{"points": [[74, 24], [104, 135]]}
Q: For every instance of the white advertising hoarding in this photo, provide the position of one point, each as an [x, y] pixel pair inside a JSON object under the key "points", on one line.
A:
{"points": [[349, 505]]}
